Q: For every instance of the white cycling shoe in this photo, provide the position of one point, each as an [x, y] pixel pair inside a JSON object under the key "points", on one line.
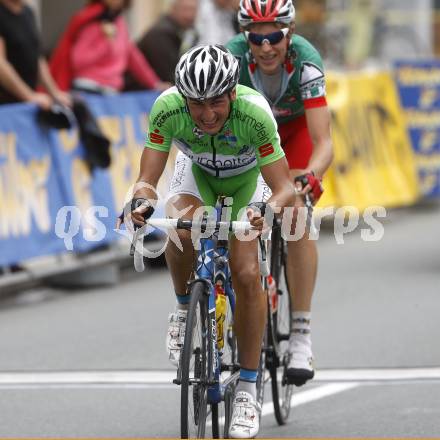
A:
{"points": [[300, 367], [176, 335], [245, 422]]}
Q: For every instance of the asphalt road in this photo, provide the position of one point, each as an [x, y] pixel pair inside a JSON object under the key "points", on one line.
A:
{"points": [[91, 363]]}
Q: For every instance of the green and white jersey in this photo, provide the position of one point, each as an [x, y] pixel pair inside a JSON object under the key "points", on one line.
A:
{"points": [[302, 81], [248, 139]]}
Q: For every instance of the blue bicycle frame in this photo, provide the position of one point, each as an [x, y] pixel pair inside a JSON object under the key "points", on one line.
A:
{"points": [[213, 266]]}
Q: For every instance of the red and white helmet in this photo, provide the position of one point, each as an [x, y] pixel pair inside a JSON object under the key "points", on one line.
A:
{"points": [[266, 11]]}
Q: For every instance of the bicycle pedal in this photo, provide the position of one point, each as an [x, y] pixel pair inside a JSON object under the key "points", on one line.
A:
{"points": [[177, 381]]}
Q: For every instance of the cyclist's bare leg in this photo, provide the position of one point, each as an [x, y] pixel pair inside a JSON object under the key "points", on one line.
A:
{"points": [[250, 312], [180, 263], [301, 269], [302, 264]]}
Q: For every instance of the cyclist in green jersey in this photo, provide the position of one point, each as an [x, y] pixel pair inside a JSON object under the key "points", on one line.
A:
{"points": [[229, 146], [288, 71]]}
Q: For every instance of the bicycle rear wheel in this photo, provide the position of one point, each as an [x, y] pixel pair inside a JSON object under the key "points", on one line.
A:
{"points": [[279, 325], [194, 366]]}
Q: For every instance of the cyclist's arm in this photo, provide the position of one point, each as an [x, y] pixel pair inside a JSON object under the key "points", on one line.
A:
{"points": [[152, 165], [276, 175], [318, 123], [155, 154]]}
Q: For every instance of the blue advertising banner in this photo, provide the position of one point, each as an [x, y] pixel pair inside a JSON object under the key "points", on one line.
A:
{"points": [[30, 194], [99, 197], [419, 87], [50, 202]]}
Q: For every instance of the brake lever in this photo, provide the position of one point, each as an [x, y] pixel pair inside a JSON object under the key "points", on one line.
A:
{"points": [[309, 221]]}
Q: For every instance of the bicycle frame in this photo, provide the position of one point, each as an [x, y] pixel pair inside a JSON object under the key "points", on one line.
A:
{"points": [[212, 267], [214, 270]]}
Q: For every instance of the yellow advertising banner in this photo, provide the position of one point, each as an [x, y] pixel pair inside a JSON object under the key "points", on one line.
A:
{"points": [[373, 158]]}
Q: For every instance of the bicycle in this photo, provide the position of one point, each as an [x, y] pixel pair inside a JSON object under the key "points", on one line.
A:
{"points": [[208, 371], [279, 322]]}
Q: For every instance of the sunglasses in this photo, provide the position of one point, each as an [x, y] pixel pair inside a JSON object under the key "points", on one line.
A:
{"points": [[272, 38]]}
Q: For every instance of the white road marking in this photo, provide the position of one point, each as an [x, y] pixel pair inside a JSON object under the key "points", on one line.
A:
{"points": [[300, 398], [378, 374], [303, 397], [165, 377]]}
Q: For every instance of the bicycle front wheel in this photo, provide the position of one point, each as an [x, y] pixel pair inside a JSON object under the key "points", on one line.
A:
{"points": [[194, 366], [279, 324]]}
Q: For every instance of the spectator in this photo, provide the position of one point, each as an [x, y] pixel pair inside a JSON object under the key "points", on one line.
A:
{"points": [[22, 65], [215, 21], [95, 51], [172, 35]]}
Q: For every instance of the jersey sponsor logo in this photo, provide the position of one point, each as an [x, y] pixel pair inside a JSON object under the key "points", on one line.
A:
{"points": [[249, 120], [179, 173], [312, 82], [310, 72], [163, 116], [313, 89], [228, 137], [266, 150], [229, 164], [198, 133], [223, 164], [267, 192], [156, 138], [246, 151]]}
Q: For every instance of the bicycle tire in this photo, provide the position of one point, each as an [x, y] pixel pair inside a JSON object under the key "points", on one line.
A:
{"points": [[194, 366], [229, 357], [261, 377], [215, 420], [278, 325], [228, 400]]}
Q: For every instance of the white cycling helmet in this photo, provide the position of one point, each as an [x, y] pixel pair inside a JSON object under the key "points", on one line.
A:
{"points": [[266, 11], [206, 72]]}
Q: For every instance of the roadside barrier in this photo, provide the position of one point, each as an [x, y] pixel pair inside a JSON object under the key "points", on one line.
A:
{"points": [[374, 162], [419, 87], [43, 175]]}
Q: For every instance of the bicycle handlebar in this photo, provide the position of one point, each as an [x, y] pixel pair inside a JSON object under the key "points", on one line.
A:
{"points": [[235, 226], [168, 223]]}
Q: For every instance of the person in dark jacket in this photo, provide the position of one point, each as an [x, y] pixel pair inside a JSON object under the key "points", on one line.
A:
{"points": [[176, 34], [22, 65]]}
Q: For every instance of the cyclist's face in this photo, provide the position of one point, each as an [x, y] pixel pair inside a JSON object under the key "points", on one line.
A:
{"points": [[269, 57], [211, 115]]}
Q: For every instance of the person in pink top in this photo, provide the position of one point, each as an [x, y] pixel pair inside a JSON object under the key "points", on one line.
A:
{"points": [[95, 51]]}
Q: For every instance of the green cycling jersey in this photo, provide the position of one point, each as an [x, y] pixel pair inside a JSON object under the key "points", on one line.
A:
{"points": [[248, 139], [302, 76]]}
